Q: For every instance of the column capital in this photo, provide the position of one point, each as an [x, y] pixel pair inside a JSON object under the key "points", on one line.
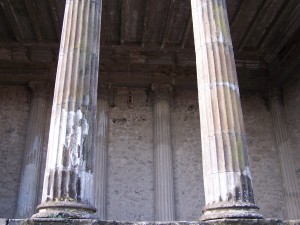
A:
{"points": [[276, 94], [104, 89], [162, 91], [41, 88]]}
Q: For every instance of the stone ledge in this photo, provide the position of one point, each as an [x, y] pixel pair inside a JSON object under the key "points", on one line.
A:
{"points": [[98, 222]]}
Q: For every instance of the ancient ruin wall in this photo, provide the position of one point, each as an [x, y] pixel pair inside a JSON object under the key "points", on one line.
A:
{"points": [[130, 159], [14, 109], [264, 160], [188, 179], [130, 154]]}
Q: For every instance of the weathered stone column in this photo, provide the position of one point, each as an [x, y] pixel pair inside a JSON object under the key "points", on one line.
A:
{"points": [[101, 152], [288, 170], [227, 178], [68, 183], [164, 191], [29, 184]]}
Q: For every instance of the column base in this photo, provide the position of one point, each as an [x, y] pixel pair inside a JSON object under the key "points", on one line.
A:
{"points": [[231, 210], [66, 210]]}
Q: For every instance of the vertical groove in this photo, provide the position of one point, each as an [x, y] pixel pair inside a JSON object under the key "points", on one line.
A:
{"points": [[227, 178]]}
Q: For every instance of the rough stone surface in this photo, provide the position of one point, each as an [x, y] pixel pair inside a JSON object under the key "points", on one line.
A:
{"points": [[188, 178], [14, 111], [291, 101], [264, 160], [130, 168], [130, 159]]}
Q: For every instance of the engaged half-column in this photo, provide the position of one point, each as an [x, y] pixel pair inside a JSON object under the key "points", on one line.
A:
{"points": [[288, 170], [226, 172], [29, 184], [164, 191], [68, 182], [101, 152]]}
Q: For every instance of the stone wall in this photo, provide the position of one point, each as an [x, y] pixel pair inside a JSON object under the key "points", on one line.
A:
{"points": [[188, 178], [130, 155], [291, 101], [264, 160], [14, 109], [130, 159]]}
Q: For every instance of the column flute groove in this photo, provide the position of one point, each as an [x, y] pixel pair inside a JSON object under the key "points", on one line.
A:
{"points": [[69, 175], [227, 177]]}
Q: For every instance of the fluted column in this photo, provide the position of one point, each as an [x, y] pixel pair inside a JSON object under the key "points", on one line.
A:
{"points": [[68, 182], [164, 191], [227, 178], [29, 184], [101, 152], [288, 170]]}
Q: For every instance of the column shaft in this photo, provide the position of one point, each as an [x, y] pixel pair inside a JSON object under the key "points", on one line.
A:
{"points": [[227, 178], [101, 153], [164, 191], [29, 184], [68, 182], [288, 170]]}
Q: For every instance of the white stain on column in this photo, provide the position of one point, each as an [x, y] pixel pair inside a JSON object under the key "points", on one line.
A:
{"points": [[69, 175]]}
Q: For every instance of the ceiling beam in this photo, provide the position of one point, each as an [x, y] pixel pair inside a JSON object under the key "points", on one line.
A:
{"points": [[124, 9], [12, 19], [238, 9], [255, 20], [31, 8], [55, 18], [147, 13], [186, 34], [288, 68], [278, 22], [167, 24]]}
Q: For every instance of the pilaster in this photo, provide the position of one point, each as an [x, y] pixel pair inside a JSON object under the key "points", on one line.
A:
{"points": [[101, 152], [29, 184], [288, 170], [164, 190], [226, 171]]}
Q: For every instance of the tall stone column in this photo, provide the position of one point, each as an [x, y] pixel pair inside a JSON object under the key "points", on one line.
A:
{"points": [[69, 175], [226, 172], [29, 184], [288, 170], [164, 191], [101, 152]]}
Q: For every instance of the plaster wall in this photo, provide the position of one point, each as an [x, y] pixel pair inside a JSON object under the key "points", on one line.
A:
{"points": [[14, 109], [130, 192]]}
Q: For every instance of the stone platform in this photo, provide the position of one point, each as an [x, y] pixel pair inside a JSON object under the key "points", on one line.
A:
{"points": [[98, 222]]}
